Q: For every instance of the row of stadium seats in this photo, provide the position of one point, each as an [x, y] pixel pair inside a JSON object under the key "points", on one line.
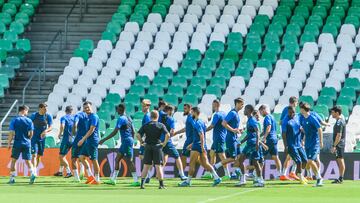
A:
{"points": [[15, 15], [196, 52]]}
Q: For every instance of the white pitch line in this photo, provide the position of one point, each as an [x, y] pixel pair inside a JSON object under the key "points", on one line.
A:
{"points": [[227, 196]]}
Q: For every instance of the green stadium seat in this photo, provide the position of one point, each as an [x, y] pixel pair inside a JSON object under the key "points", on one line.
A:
{"points": [[154, 98], [22, 18], [5, 18], [180, 81], [23, 44], [138, 115], [237, 47], [307, 37], [345, 100], [302, 10], [8, 71], [325, 3], [213, 54], [218, 81], [104, 115], [109, 36], [294, 29], [138, 90], [113, 27], [262, 19], [252, 37], [87, 45], [319, 11], [246, 64], [166, 3], [142, 81], [354, 11], [2, 28], [338, 11], [138, 18], [190, 99], [193, 54], [3, 55], [50, 142], [137, 124], [11, 35], [203, 72], [199, 81], [28, 9], [195, 90], [312, 29], [133, 99], [171, 99], [275, 28], [131, 3], [227, 64], [84, 54], [160, 9], [110, 143], [316, 20], [186, 73], [308, 3], [34, 3], [354, 20], [299, 20], [356, 65], [264, 63], [330, 28], [279, 19], [330, 92], [9, 8], [345, 111], [307, 99], [322, 109], [142, 9], [223, 72], [257, 28], [166, 72], [254, 47], [342, 3], [352, 82], [289, 55], [157, 90], [6, 45], [245, 73], [107, 106], [273, 47], [113, 98], [119, 18], [189, 64], [13, 62], [176, 90], [231, 54], [215, 90], [284, 10], [124, 9], [270, 55], [209, 64], [161, 81], [217, 45], [254, 57], [4, 81], [17, 28], [348, 92], [325, 100]]}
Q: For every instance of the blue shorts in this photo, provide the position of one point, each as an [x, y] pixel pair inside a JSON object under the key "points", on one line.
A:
{"points": [[298, 155], [90, 151], [197, 148], [126, 148], [218, 147], [170, 150], [273, 149], [232, 149], [65, 148], [38, 147], [185, 152], [141, 150], [25, 152], [312, 154], [250, 152]]}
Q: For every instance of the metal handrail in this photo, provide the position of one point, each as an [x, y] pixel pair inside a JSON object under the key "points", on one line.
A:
{"points": [[5, 117], [58, 33], [28, 83], [70, 12]]}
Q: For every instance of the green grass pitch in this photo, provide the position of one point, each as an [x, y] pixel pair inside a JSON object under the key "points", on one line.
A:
{"points": [[55, 189]]}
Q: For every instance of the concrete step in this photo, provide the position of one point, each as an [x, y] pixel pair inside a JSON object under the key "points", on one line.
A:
{"points": [[65, 8], [72, 27], [72, 36], [74, 18]]}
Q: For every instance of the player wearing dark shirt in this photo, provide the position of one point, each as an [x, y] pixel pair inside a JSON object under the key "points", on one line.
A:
{"points": [[339, 134], [153, 154]]}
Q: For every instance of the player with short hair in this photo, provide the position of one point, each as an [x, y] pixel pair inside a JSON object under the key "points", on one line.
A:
{"points": [[188, 129], [198, 149], [21, 130], [232, 125], [313, 140], [169, 149], [65, 132], [252, 150], [293, 142], [284, 118], [145, 108], [126, 150], [219, 134], [339, 135], [269, 135], [153, 155], [91, 142], [42, 125]]}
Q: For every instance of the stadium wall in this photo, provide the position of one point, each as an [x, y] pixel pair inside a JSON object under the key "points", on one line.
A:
{"points": [[50, 164]]}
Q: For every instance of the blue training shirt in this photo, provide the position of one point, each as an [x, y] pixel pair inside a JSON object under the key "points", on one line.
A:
{"points": [[251, 128], [81, 119], [219, 131], [94, 138], [68, 122], [313, 113], [21, 125], [169, 123], [293, 133], [146, 119], [41, 123], [199, 128], [233, 119], [189, 128], [124, 124], [270, 120], [311, 126]]}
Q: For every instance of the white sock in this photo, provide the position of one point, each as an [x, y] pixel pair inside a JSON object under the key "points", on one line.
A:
{"points": [[318, 175], [12, 175], [188, 180], [215, 175], [68, 170], [97, 178], [148, 174], [181, 172], [226, 170], [134, 175], [115, 175], [293, 168], [82, 168], [283, 172], [33, 171], [76, 175], [89, 172], [61, 169], [218, 165], [242, 178]]}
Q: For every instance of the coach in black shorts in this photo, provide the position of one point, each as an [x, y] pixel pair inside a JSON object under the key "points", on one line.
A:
{"points": [[153, 154], [339, 133]]}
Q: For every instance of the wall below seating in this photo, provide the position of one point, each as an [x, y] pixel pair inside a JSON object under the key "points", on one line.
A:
{"points": [[50, 164]]}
